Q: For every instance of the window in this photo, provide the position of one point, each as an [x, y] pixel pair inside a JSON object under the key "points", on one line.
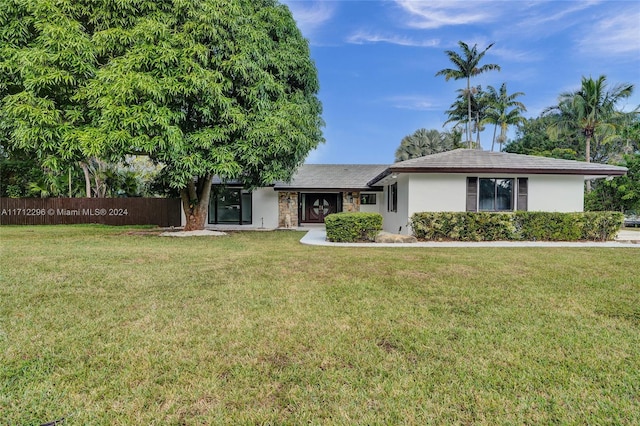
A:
{"points": [[496, 194], [392, 198], [367, 199], [523, 193], [230, 205]]}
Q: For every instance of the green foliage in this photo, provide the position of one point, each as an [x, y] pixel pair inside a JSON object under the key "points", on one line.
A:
{"points": [[204, 87], [528, 226], [460, 111], [466, 65], [532, 139], [592, 114], [621, 193], [425, 142], [353, 227], [503, 111], [601, 226], [549, 226], [462, 226]]}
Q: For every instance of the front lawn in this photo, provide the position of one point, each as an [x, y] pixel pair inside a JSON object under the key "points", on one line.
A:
{"points": [[117, 326]]}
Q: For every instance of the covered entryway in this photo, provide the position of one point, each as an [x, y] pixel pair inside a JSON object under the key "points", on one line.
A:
{"points": [[315, 207]]}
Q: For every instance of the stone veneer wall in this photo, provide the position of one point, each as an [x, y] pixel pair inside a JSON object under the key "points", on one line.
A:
{"points": [[287, 209], [353, 205]]}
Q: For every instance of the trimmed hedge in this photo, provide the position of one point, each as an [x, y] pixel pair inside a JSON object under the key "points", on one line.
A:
{"points": [[527, 226], [352, 227]]}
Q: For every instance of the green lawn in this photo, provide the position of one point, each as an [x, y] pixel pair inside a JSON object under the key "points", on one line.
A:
{"points": [[117, 326]]}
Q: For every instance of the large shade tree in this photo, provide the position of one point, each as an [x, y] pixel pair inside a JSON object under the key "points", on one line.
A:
{"points": [[467, 65], [45, 57], [204, 87]]}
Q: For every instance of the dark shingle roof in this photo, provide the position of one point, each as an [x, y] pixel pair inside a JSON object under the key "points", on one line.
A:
{"points": [[343, 177], [477, 161]]}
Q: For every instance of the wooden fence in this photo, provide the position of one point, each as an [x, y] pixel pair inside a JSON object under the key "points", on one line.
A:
{"points": [[163, 212]]}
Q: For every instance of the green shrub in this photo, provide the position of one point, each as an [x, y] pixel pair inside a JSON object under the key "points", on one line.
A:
{"points": [[462, 226], [353, 227], [548, 226], [601, 226], [528, 226]]}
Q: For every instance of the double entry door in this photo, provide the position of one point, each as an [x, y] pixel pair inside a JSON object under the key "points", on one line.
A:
{"points": [[319, 206]]}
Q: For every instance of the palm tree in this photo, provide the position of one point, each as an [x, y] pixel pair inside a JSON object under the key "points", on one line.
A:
{"points": [[425, 142], [499, 113], [590, 109], [458, 114], [467, 66]]}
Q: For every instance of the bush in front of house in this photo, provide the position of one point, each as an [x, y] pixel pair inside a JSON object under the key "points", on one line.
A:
{"points": [[591, 226], [527, 226], [353, 227], [462, 226], [548, 226], [601, 226]]}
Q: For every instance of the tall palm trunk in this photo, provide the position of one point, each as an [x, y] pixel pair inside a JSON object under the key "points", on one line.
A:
{"points": [[469, 137], [493, 141], [588, 155]]}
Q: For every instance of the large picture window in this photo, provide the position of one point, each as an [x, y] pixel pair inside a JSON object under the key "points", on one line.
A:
{"points": [[230, 205], [495, 195]]}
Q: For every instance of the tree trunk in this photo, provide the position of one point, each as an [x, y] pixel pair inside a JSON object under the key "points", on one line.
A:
{"points": [[195, 203], [478, 145], [469, 137], [493, 141], [87, 178], [101, 187], [588, 155]]}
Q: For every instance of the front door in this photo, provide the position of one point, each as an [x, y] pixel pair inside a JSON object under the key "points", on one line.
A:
{"points": [[319, 206]]}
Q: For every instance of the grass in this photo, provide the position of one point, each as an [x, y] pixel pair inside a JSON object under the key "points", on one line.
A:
{"points": [[117, 326]]}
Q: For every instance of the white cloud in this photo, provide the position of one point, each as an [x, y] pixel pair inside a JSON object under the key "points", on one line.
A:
{"points": [[363, 37], [521, 56], [413, 102], [614, 35], [311, 15], [436, 14], [561, 15]]}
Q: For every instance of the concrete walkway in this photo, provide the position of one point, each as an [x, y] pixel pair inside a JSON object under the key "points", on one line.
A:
{"points": [[318, 237]]}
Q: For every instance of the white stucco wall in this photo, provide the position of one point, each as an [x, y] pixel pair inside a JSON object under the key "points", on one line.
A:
{"points": [[437, 193], [397, 221], [447, 192], [265, 207], [556, 193]]}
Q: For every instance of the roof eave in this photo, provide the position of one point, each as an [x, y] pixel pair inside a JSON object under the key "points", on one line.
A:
{"points": [[380, 176], [493, 170], [325, 189]]}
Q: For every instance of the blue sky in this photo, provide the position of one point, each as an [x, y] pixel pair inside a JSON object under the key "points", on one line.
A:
{"points": [[377, 61]]}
